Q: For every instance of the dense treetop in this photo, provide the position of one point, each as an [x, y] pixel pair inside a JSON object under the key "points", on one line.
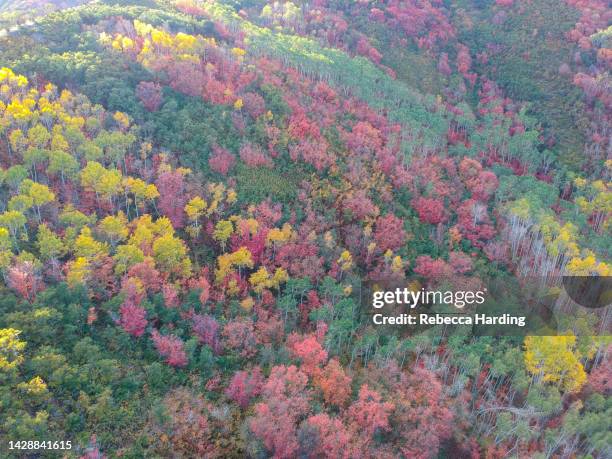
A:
{"points": [[197, 198]]}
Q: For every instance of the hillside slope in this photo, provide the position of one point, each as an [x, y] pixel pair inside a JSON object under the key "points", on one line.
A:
{"points": [[198, 200]]}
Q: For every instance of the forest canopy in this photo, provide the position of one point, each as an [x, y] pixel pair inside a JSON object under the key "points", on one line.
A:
{"points": [[198, 198]]}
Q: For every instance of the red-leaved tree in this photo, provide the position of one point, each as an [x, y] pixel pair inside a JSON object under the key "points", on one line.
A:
{"points": [[389, 232], [285, 399], [171, 348], [369, 413], [244, 387], [221, 160], [150, 94]]}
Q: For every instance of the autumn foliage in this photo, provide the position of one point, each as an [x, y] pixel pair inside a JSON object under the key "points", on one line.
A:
{"points": [[197, 199]]}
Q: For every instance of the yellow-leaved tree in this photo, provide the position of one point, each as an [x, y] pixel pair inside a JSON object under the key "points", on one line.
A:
{"points": [[11, 349], [170, 255], [555, 359], [223, 231]]}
